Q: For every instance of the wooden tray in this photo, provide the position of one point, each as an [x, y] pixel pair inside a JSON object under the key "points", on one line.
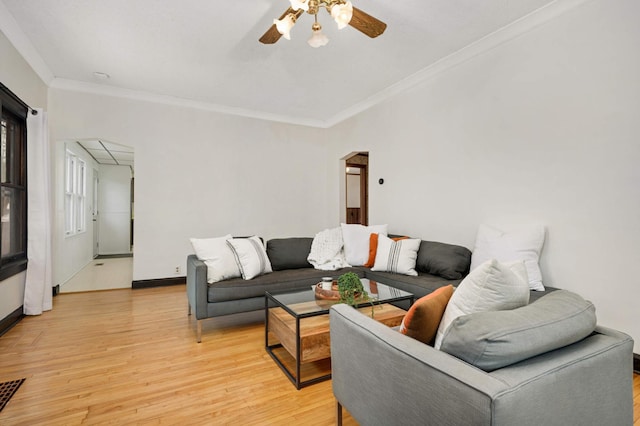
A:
{"points": [[332, 294]]}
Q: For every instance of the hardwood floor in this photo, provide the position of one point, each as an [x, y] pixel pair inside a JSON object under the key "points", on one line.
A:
{"points": [[636, 400], [130, 356]]}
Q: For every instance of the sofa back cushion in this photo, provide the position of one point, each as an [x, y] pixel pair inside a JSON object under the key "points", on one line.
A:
{"points": [[445, 260], [496, 339], [289, 253]]}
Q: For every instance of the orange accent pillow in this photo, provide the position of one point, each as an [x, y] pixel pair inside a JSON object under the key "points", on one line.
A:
{"points": [[373, 249], [423, 318]]}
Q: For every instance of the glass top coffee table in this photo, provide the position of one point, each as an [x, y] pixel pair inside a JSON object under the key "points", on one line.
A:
{"points": [[297, 327]]}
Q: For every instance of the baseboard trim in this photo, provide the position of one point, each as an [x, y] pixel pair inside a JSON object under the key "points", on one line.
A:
{"points": [[10, 320], [113, 256], [158, 282], [636, 363]]}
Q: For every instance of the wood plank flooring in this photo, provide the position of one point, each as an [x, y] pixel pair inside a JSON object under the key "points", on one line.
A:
{"points": [[636, 400], [130, 356]]}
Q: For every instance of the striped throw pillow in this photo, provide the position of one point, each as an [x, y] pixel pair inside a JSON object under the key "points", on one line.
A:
{"points": [[396, 256], [250, 256]]}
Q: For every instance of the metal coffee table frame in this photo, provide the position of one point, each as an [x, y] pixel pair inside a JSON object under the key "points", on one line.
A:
{"points": [[272, 301]]}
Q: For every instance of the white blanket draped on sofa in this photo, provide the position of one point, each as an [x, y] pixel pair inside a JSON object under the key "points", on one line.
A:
{"points": [[327, 250]]}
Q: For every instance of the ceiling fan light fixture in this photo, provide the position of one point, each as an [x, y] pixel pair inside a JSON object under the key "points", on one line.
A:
{"points": [[342, 14], [342, 11], [317, 39], [284, 25], [299, 4]]}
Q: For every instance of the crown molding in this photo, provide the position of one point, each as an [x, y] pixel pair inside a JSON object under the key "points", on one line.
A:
{"points": [[535, 19], [10, 28], [521, 26], [138, 95]]}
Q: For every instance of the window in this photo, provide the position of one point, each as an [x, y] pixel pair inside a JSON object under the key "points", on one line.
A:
{"points": [[75, 192], [13, 184]]}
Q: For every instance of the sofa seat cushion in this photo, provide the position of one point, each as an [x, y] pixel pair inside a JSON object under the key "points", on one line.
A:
{"points": [[238, 288], [496, 339], [419, 286]]}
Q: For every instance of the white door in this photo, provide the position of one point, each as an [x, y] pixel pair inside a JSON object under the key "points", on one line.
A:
{"points": [[115, 209], [94, 214]]}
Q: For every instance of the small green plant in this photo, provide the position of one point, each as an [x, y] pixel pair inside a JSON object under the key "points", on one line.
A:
{"points": [[352, 291]]}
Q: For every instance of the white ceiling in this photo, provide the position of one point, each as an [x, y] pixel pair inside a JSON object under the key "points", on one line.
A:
{"points": [[104, 152], [207, 52]]}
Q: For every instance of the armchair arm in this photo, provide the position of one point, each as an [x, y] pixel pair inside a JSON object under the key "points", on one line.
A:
{"points": [[383, 377]]}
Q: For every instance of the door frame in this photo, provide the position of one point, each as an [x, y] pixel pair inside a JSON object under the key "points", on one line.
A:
{"points": [[359, 160]]}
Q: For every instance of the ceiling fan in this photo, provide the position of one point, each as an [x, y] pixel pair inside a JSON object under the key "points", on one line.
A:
{"points": [[341, 11]]}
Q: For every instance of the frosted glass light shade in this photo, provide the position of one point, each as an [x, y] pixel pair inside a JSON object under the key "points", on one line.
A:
{"points": [[298, 4], [284, 26], [342, 14], [318, 39]]}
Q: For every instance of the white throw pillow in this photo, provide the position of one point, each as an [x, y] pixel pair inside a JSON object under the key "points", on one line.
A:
{"points": [[492, 286], [523, 243], [396, 256], [356, 241], [251, 256], [216, 254]]}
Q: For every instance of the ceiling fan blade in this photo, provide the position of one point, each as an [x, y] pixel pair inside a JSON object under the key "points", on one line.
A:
{"points": [[272, 35], [366, 23]]}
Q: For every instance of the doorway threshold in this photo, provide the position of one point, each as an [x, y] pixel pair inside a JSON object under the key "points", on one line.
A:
{"points": [[113, 256]]}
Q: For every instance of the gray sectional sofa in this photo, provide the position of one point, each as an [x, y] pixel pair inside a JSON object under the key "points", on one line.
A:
{"points": [[438, 264]]}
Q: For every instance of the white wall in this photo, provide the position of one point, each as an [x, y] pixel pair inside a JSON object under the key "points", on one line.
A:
{"points": [[114, 206], [204, 174], [544, 129], [18, 76], [71, 253]]}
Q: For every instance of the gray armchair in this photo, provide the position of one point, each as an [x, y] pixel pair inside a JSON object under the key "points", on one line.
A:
{"points": [[385, 378]]}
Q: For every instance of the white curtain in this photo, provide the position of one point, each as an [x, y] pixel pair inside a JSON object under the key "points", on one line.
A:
{"points": [[38, 287]]}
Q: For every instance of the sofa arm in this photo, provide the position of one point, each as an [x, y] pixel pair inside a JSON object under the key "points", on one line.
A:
{"points": [[589, 382], [197, 287], [383, 377]]}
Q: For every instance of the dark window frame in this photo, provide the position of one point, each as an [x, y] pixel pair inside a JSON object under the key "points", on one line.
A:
{"points": [[14, 110]]}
